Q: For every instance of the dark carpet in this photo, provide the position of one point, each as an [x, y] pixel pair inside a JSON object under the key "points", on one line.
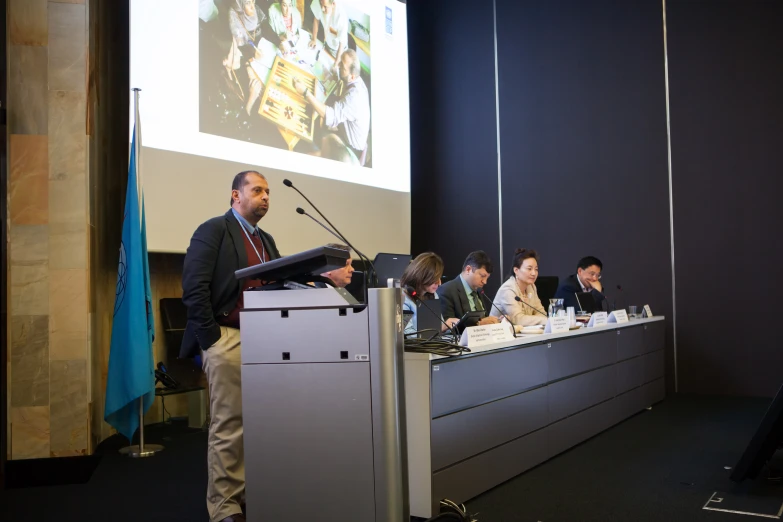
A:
{"points": [[660, 465]]}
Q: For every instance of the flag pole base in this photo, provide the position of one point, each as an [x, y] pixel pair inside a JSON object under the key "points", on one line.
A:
{"points": [[137, 452]]}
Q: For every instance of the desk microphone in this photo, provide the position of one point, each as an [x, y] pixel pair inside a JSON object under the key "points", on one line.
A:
{"points": [[517, 298], [614, 299], [576, 294], [482, 294], [416, 299], [373, 277]]}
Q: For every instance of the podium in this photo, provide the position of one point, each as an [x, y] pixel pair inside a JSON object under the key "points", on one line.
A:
{"points": [[323, 406]]}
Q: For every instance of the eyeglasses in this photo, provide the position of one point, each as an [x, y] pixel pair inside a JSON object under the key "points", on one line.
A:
{"points": [[593, 274]]}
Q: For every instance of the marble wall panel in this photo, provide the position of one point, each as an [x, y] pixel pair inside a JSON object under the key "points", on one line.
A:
{"points": [[30, 432], [28, 90], [27, 21], [68, 301], [68, 408], [67, 47], [28, 181], [29, 360], [67, 135]]}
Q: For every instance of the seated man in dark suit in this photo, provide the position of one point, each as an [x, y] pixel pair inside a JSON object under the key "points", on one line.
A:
{"points": [[461, 294], [586, 279]]}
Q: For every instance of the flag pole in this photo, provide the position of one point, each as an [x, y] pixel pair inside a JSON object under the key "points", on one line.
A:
{"points": [[139, 450]]}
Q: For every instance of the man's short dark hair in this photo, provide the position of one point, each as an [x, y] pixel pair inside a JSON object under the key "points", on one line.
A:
{"points": [[587, 262], [478, 259], [240, 180], [338, 246]]}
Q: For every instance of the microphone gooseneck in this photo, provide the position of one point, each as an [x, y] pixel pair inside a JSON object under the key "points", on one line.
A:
{"points": [[325, 227], [339, 234], [517, 298], [413, 294], [492, 303], [614, 299]]}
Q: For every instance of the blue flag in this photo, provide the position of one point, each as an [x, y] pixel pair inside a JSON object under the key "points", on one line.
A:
{"points": [[131, 370]]}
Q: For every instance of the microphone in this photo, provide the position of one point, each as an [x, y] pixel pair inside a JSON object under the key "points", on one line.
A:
{"points": [[482, 294], [300, 210], [517, 298], [364, 258], [614, 299], [576, 294], [415, 296]]}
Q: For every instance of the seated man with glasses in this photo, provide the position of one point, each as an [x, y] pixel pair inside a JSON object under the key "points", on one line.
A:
{"points": [[586, 279]]}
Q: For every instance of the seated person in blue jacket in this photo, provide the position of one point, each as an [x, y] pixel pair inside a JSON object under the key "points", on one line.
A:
{"points": [[341, 277], [422, 277], [462, 294], [527, 310], [586, 279]]}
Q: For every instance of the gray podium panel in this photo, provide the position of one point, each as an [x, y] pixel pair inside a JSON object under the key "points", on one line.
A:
{"points": [[469, 381], [283, 330], [569, 396], [577, 428], [630, 342], [474, 476], [630, 374], [654, 336], [330, 400], [581, 354], [654, 366], [466, 433]]}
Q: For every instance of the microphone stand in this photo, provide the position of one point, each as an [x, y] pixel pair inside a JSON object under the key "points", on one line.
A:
{"points": [[519, 299], [373, 277], [513, 328], [416, 299]]}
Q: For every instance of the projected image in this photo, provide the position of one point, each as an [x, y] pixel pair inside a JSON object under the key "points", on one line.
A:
{"points": [[291, 74]]}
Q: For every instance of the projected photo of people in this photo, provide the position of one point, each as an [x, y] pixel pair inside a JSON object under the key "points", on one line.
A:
{"points": [[290, 74]]}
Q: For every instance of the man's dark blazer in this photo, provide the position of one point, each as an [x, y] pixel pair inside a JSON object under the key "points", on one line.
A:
{"points": [[567, 292], [453, 299], [209, 288]]}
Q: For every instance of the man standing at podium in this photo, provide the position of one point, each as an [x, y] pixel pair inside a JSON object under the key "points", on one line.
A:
{"points": [[213, 297]]}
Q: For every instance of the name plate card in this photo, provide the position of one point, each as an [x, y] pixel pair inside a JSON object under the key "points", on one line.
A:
{"points": [[476, 336], [598, 319], [618, 316], [558, 324], [647, 312]]}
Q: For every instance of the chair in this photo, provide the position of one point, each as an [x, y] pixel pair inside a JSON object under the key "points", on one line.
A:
{"points": [[547, 288], [187, 372]]}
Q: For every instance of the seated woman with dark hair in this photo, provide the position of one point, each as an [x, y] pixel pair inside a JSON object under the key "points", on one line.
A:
{"points": [[422, 276], [528, 310]]}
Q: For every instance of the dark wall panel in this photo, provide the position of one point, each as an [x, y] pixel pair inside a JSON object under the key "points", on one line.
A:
{"points": [[583, 143], [454, 202], [726, 85]]}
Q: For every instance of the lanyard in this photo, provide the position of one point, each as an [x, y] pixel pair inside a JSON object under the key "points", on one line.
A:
{"points": [[263, 253]]}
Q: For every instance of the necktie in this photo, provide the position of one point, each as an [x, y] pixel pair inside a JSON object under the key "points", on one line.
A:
{"points": [[477, 302]]}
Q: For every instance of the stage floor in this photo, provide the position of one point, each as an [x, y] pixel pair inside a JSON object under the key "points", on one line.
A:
{"points": [[660, 465]]}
